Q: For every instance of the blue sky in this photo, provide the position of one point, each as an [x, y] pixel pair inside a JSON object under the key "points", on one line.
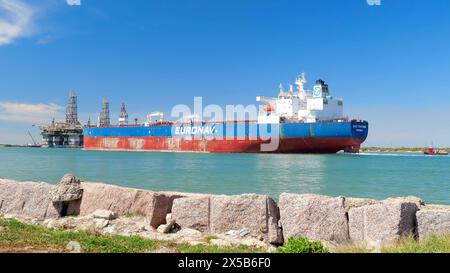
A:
{"points": [[390, 62]]}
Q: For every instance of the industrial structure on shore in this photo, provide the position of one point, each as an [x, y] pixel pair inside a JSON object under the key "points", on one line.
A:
{"points": [[68, 134]]}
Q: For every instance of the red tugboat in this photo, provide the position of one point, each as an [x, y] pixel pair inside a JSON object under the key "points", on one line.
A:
{"points": [[432, 151]]}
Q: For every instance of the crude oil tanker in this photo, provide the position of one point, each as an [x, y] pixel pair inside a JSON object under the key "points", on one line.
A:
{"points": [[297, 121]]}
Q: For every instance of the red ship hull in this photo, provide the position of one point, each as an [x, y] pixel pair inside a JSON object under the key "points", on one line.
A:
{"points": [[435, 152], [178, 144]]}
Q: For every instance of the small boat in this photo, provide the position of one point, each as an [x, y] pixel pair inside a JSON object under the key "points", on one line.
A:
{"points": [[432, 151]]}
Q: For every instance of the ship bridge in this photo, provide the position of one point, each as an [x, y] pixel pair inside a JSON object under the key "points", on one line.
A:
{"points": [[302, 105]]}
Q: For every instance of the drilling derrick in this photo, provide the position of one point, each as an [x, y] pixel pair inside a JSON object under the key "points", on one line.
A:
{"points": [[123, 116], [104, 120], [72, 111]]}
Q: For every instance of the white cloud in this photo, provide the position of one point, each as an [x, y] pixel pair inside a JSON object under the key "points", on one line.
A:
{"points": [[73, 2], [15, 20], [29, 113]]}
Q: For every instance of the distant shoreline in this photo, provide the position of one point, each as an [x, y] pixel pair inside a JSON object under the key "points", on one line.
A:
{"points": [[403, 149], [363, 149], [19, 146]]}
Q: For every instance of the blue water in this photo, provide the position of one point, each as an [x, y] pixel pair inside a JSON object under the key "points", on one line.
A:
{"points": [[372, 175]]}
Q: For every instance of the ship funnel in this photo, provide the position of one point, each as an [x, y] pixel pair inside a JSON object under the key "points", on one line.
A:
{"points": [[322, 87]]}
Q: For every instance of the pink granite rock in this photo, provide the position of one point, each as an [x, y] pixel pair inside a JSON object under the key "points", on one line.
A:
{"points": [[433, 220], [192, 213], [125, 201], [257, 213], [27, 199], [383, 223], [316, 217], [220, 214]]}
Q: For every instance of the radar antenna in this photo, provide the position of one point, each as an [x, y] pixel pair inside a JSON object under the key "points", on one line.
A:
{"points": [[301, 82]]}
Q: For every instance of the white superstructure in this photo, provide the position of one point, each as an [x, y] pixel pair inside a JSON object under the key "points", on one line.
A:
{"points": [[301, 104]]}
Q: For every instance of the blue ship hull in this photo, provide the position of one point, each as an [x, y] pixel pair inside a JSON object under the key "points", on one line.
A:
{"points": [[231, 137]]}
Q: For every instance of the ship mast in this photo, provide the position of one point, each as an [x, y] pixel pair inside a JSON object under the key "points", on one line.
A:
{"points": [[301, 82]]}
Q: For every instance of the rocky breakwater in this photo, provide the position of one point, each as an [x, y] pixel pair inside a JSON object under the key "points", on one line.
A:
{"points": [[433, 219], [123, 202], [249, 214], [374, 223], [72, 197], [254, 220], [28, 199], [106, 209]]}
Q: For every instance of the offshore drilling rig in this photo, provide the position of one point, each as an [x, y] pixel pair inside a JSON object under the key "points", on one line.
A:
{"points": [[104, 119], [68, 134]]}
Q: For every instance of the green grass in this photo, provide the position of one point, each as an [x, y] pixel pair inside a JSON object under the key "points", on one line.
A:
{"points": [[210, 237], [217, 249], [15, 234], [20, 237], [302, 245], [433, 244]]}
